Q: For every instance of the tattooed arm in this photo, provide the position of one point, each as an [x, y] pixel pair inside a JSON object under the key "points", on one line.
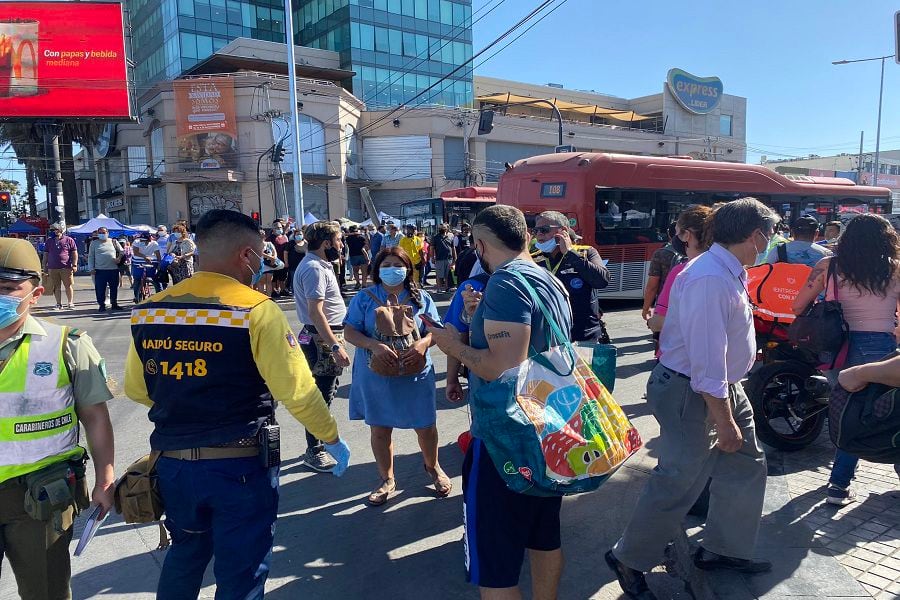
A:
{"points": [[507, 347], [812, 288]]}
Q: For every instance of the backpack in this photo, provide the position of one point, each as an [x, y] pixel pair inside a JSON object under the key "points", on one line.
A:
{"points": [[866, 423], [137, 495], [395, 327], [773, 288]]}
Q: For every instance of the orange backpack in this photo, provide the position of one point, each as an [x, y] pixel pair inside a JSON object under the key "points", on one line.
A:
{"points": [[773, 288]]}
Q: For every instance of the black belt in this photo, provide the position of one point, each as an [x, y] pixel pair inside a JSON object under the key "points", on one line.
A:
{"points": [[315, 331], [674, 372]]}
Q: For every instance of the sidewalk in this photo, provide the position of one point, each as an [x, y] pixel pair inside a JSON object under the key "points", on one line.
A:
{"points": [[818, 550]]}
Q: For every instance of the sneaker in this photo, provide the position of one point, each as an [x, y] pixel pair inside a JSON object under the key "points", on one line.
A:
{"points": [[59, 307], [319, 460], [71, 306], [839, 496]]}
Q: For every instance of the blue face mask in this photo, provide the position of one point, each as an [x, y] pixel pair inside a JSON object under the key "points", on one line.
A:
{"points": [[392, 275], [9, 309], [102, 236], [548, 246], [264, 268]]}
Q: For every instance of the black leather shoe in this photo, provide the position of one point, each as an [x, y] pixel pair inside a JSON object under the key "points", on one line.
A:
{"points": [[632, 582], [706, 560]]}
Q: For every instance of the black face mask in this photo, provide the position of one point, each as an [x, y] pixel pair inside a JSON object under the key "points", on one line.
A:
{"points": [[679, 246], [484, 265], [332, 254]]}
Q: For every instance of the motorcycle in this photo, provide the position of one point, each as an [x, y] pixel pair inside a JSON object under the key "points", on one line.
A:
{"points": [[788, 392]]}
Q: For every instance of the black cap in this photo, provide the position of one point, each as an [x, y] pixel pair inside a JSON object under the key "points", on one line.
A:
{"points": [[805, 223]]}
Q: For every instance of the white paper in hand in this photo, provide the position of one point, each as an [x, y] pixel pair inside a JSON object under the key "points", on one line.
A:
{"points": [[91, 526]]}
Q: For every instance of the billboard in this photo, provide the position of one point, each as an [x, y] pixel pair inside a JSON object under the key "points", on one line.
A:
{"points": [[63, 60], [205, 123]]}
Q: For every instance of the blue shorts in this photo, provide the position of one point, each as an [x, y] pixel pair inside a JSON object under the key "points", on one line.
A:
{"points": [[358, 261], [500, 524]]}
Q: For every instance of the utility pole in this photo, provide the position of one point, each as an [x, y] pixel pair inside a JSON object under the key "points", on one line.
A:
{"points": [[859, 165], [55, 199], [299, 209]]}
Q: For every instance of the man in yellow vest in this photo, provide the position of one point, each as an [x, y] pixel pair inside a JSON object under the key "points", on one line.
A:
{"points": [[211, 357], [51, 379]]}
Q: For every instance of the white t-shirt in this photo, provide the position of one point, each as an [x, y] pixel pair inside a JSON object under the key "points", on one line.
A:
{"points": [[147, 249]]}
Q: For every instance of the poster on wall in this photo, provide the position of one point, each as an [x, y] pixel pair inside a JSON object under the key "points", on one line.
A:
{"points": [[205, 123], [63, 60], [204, 197]]}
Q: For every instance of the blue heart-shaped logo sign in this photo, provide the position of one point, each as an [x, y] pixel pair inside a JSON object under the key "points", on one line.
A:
{"points": [[699, 95]]}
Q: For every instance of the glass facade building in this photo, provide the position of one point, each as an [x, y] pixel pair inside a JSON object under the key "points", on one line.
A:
{"points": [[170, 36], [398, 48]]}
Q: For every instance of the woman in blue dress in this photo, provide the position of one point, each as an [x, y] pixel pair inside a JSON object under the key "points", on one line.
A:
{"points": [[399, 402]]}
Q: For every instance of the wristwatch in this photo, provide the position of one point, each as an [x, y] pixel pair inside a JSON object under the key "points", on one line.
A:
{"points": [[335, 348]]}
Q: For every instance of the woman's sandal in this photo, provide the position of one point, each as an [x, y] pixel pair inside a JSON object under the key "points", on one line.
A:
{"points": [[381, 494], [442, 484]]}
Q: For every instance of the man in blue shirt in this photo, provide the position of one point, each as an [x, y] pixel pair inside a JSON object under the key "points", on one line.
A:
{"points": [[802, 249], [506, 328]]}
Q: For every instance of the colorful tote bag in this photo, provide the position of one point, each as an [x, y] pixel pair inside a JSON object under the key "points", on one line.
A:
{"points": [[550, 426], [602, 360]]}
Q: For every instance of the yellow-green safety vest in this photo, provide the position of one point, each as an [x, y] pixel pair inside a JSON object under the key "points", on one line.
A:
{"points": [[38, 424]]}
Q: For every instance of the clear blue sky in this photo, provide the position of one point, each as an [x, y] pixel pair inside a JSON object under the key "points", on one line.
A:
{"points": [[775, 53]]}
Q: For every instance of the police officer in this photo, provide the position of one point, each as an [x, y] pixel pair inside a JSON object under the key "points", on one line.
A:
{"points": [[579, 268], [51, 380], [210, 357]]}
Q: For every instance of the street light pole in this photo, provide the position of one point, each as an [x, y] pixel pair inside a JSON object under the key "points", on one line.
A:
{"points": [[299, 208], [880, 96]]}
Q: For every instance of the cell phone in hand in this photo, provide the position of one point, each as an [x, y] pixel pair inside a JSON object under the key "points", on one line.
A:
{"points": [[431, 322]]}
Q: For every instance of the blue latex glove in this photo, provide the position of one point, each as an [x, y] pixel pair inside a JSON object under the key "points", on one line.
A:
{"points": [[341, 453]]}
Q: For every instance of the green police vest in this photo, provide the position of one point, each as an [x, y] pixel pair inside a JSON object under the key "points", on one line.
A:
{"points": [[38, 424]]}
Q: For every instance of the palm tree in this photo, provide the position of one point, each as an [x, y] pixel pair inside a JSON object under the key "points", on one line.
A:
{"points": [[27, 141]]}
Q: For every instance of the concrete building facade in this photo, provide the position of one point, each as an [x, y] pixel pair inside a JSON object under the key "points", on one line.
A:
{"points": [[398, 154]]}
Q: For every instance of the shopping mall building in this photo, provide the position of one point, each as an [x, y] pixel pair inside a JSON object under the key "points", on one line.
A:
{"points": [[151, 172]]}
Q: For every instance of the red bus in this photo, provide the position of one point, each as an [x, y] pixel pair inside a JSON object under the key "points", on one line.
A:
{"points": [[453, 207], [622, 204]]}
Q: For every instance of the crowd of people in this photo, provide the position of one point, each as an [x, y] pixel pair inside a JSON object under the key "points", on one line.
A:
{"points": [[245, 356]]}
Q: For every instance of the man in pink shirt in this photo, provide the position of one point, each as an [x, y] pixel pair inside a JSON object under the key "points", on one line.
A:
{"points": [[60, 263]]}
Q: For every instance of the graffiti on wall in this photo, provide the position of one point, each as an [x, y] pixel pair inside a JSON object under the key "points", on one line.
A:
{"points": [[204, 197]]}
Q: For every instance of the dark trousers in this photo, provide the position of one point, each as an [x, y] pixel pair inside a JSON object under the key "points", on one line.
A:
{"points": [[37, 553], [104, 278], [327, 384], [217, 508]]}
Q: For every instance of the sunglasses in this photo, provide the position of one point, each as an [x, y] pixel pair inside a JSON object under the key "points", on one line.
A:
{"points": [[545, 229]]}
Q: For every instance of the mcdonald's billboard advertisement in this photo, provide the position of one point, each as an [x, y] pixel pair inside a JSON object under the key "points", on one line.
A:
{"points": [[205, 123], [63, 60]]}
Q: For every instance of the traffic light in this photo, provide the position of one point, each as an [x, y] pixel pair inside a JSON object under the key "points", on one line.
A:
{"points": [[486, 122], [5, 202], [897, 37], [255, 216], [278, 153]]}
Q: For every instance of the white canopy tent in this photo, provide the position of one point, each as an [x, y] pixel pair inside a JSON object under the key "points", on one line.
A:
{"points": [[113, 225], [383, 217]]}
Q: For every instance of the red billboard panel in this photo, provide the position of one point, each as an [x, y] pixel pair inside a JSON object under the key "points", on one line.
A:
{"points": [[63, 60]]}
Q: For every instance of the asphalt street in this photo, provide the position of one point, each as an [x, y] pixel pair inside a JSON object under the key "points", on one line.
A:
{"points": [[328, 543]]}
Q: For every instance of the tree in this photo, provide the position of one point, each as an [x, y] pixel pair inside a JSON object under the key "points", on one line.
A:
{"points": [[27, 141]]}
